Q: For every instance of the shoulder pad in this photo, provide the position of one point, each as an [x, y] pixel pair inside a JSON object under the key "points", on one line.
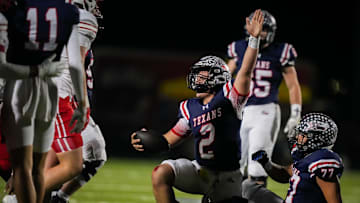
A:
{"points": [[3, 21], [88, 25]]}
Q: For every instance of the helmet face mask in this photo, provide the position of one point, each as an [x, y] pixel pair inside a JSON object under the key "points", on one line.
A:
{"points": [[320, 132], [217, 75]]}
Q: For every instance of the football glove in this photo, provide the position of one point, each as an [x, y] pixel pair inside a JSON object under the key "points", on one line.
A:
{"points": [[260, 156], [293, 120], [78, 119], [49, 68]]}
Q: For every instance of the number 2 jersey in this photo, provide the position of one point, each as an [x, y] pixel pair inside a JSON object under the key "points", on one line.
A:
{"points": [[267, 75], [323, 163], [38, 29], [215, 127]]}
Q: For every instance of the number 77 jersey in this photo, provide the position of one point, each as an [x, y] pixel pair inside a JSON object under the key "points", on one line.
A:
{"points": [[324, 164], [267, 75], [38, 29]]}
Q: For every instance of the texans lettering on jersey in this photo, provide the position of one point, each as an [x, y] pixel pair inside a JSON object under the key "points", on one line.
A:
{"points": [[215, 127], [39, 29], [322, 163], [267, 75]]}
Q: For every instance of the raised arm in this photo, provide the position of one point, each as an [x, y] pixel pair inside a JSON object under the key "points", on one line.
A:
{"points": [[243, 77]]}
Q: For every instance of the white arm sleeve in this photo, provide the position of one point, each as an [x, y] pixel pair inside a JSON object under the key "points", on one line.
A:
{"points": [[237, 100], [76, 67], [181, 128]]}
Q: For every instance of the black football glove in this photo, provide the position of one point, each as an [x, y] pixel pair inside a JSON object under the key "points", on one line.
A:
{"points": [[260, 156]]}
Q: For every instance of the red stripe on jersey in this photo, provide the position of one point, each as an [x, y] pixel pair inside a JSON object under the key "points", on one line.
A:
{"points": [[176, 133], [231, 48], [227, 90], [85, 28], [184, 110], [286, 53], [237, 92], [94, 26], [2, 48], [325, 163]]}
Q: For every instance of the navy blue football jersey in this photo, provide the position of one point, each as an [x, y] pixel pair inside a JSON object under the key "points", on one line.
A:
{"points": [[89, 62], [322, 163], [215, 127], [267, 75], [38, 29]]}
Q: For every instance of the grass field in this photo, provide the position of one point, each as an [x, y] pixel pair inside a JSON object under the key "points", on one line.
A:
{"points": [[129, 181]]}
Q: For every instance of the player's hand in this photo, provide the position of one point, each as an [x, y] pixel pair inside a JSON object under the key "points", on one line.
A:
{"points": [[254, 27], [136, 142], [9, 187], [290, 125], [79, 119], [260, 156], [49, 68]]}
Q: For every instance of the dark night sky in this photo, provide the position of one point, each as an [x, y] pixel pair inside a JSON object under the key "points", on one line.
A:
{"points": [[325, 34], [316, 32]]}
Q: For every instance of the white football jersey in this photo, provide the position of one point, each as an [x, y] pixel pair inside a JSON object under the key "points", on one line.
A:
{"points": [[88, 28]]}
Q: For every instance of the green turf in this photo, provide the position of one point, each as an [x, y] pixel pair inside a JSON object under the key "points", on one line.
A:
{"points": [[129, 181]]}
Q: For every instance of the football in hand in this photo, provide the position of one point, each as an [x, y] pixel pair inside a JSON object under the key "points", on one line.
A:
{"points": [[152, 141]]}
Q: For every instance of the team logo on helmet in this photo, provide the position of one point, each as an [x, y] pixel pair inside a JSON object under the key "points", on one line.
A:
{"points": [[218, 74], [320, 131]]}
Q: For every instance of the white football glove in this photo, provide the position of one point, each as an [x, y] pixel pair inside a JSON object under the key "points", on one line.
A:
{"points": [[79, 118], [48, 68], [293, 120]]}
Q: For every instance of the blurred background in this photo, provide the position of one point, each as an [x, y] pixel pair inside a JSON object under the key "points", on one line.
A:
{"points": [[144, 52]]}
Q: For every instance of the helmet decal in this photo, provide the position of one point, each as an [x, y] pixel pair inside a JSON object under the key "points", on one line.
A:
{"points": [[218, 74], [320, 131]]}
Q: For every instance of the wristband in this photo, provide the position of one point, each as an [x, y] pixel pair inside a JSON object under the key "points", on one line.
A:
{"points": [[295, 110], [254, 42], [34, 71], [268, 166]]}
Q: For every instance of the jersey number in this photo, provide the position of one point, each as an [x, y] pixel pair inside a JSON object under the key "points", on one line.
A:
{"points": [[295, 179], [32, 17], [206, 129], [327, 172], [262, 88]]}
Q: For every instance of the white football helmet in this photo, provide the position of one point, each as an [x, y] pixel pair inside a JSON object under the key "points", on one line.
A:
{"points": [[89, 5]]}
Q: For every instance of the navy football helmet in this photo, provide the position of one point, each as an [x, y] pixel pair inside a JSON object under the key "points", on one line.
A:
{"points": [[320, 131], [219, 74], [269, 26]]}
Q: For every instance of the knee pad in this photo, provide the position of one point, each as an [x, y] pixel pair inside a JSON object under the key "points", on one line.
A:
{"points": [[258, 193], [249, 188]]}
